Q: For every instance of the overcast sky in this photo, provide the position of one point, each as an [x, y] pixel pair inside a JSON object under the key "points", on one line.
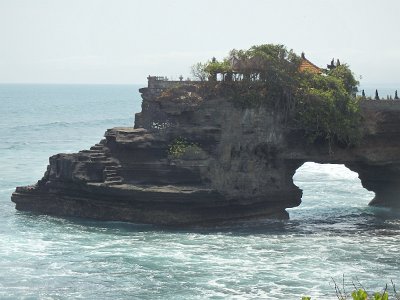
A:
{"points": [[123, 41]]}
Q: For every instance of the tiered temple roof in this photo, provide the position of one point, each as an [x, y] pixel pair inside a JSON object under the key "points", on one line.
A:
{"points": [[306, 65]]}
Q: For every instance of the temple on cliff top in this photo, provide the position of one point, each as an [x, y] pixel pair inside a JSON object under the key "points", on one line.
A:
{"points": [[306, 65], [162, 82]]}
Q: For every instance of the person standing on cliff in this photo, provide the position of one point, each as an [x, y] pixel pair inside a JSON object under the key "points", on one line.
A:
{"points": [[377, 95]]}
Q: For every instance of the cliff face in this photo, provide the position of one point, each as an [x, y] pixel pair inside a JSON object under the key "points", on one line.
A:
{"points": [[236, 164]]}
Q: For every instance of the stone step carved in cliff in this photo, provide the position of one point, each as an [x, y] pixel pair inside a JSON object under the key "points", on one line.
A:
{"points": [[110, 134], [98, 147], [98, 158], [100, 155], [110, 172], [112, 175]]}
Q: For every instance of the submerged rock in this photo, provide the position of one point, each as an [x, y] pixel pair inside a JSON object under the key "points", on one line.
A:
{"points": [[235, 163]]}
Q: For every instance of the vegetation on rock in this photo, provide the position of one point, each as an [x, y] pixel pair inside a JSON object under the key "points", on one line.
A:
{"points": [[188, 94], [327, 109], [180, 148], [323, 105]]}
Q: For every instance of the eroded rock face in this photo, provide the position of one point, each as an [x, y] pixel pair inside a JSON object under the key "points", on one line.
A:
{"points": [[240, 167]]}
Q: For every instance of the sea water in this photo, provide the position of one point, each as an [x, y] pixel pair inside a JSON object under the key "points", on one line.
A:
{"points": [[332, 233]]}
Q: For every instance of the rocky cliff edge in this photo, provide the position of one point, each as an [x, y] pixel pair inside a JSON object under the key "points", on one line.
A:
{"points": [[195, 160]]}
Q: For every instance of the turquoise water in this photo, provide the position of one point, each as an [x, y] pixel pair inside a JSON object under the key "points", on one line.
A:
{"points": [[333, 232]]}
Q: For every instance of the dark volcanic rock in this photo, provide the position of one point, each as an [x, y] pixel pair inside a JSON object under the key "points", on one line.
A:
{"points": [[237, 164]]}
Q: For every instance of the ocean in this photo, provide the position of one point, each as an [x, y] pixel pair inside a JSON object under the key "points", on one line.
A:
{"points": [[333, 233]]}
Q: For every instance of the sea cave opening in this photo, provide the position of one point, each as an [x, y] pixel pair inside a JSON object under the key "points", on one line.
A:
{"points": [[329, 191]]}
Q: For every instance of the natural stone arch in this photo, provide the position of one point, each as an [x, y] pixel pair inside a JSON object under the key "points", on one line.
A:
{"points": [[349, 180]]}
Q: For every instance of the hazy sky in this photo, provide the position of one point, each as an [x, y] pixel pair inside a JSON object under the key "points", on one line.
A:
{"points": [[122, 41]]}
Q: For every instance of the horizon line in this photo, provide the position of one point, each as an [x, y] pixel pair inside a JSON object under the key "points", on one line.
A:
{"points": [[68, 83], [366, 84]]}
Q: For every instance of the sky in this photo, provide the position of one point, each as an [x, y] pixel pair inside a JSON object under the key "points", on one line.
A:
{"points": [[124, 41]]}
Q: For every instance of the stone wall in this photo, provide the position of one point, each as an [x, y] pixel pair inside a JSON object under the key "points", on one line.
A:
{"points": [[380, 105], [161, 82]]}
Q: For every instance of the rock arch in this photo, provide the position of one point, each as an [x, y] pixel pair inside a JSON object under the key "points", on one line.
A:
{"points": [[245, 170], [332, 183]]}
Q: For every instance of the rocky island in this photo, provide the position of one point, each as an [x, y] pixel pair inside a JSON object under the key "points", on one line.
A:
{"points": [[226, 148]]}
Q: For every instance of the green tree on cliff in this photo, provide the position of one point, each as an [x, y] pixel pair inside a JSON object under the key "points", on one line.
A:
{"points": [[327, 109], [198, 71], [323, 105], [345, 75]]}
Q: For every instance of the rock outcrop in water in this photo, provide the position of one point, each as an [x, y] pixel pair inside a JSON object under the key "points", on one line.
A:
{"points": [[235, 164]]}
